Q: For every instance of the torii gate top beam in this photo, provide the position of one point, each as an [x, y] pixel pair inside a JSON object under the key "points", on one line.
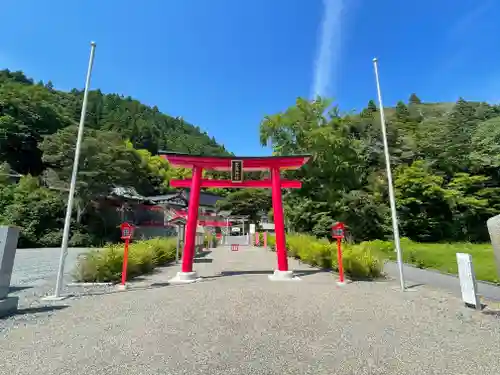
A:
{"points": [[223, 163]]}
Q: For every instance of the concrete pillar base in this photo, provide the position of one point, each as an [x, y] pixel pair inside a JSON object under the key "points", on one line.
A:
{"points": [[8, 305], [283, 276], [185, 278]]}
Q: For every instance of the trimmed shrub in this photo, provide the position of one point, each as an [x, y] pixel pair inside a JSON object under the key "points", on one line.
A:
{"points": [[360, 261], [105, 265], [365, 260], [310, 250], [163, 249], [210, 241], [271, 242]]}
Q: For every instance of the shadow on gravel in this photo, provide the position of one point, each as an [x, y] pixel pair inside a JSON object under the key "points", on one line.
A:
{"points": [[299, 273], [414, 286], [203, 260], [159, 285], [491, 309], [132, 288], [14, 289], [495, 313], [380, 279], [203, 254], [36, 310]]}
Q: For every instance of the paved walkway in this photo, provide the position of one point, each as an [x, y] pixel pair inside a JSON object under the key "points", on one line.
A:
{"points": [[236, 321], [440, 280]]}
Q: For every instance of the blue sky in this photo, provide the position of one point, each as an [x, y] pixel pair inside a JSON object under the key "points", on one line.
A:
{"points": [[224, 64]]}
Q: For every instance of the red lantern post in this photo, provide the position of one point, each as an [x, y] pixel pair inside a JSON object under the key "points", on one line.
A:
{"points": [[338, 232], [127, 231]]}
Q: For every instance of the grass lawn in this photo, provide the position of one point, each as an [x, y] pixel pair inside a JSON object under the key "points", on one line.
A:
{"points": [[442, 257]]}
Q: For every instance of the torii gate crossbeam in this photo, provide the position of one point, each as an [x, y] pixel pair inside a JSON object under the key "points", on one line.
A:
{"points": [[263, 184]]}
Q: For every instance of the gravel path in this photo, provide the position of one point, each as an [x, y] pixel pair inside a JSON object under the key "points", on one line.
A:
{"points": [[34, 267], [236, 321], [34, 276]]}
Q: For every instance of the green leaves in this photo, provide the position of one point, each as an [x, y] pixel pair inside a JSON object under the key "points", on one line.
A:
{"points": [[251, 202], [30, 112], [434, 149], [486, 145], [444, 157], [287, 132], [37, 211]]}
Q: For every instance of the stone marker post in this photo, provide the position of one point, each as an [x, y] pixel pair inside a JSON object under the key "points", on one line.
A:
{"points": [[493, 224], [8, 246]]}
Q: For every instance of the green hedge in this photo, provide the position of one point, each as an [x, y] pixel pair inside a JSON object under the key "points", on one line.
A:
{"points": [[210, 241], [105, 265], [439, 256], [359, 262], [365, 260]]}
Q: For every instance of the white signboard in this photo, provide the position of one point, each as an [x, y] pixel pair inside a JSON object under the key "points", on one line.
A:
{"points": [[252, 228], [467, 278]]}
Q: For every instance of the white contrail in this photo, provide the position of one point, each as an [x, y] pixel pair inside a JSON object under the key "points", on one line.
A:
{"points": [[328, 55]]}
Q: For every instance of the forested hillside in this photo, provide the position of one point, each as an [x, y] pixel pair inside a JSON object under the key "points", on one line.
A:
{"points": [[31, 111], [38, 127], [445, 158]]}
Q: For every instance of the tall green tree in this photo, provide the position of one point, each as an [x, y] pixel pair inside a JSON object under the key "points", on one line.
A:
{"points": [[414, 99], [37, 211], [247, 202], [459, 127], [27, 114]]}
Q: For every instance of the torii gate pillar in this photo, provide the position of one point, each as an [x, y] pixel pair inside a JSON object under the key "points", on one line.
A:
{"points": [[192, 221], [222, 163], [279, 226]]}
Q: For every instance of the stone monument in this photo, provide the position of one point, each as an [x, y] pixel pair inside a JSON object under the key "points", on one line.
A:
{"points": [[8, 246], [493, 224]]}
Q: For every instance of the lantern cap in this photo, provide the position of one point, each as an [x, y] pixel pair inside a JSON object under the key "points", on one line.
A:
{"points": [[127, 230], [338, 230]]}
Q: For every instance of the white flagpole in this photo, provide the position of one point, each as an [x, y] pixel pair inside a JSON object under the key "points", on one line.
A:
{"points": [[392, 199], [69, 208]]}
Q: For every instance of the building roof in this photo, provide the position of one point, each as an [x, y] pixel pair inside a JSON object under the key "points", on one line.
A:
{"points": [[181, 198], [267, 226], [129, 193], [207, 199], [176, 198]]}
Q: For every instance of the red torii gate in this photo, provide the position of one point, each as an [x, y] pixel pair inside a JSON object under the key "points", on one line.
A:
{"points": [[237, 165]]}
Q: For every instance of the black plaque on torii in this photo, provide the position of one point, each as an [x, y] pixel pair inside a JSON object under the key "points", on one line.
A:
{"points": [[237, 170]]}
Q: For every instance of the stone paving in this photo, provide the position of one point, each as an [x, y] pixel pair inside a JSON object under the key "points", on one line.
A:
{"points": [[236, 321]]}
